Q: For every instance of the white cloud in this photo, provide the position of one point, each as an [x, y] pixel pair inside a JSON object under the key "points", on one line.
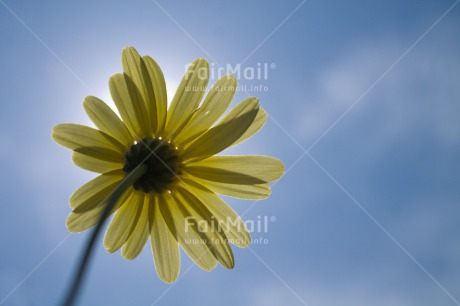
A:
{"points": [[420, 93]]}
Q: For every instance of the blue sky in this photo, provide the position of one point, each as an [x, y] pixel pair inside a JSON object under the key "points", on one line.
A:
{"points": [[364, 101]]}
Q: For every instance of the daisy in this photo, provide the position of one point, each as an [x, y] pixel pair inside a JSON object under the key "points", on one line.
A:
{"points": [[167, 159]]}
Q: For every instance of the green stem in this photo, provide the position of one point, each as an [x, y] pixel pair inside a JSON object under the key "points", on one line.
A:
{"points": [[112, 200]]}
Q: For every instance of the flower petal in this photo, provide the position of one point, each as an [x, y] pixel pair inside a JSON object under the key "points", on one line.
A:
{"points": [[131, 110], [124, 222], [93, 164], [214, 105], [107, 121], [225, 133], [243, 169], [249, 192], [78, 222], [158, 110], [256, 125], [139, 86], [202, 221], [88, 141], [165, 247], [95, 192], [187, 98], [232, 224], [138, 238], [192, 244]]}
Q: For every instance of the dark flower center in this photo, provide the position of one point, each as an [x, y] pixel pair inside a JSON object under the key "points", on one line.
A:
{"points": [[162, 164]]}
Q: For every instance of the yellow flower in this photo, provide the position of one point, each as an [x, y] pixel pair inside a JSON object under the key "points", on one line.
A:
{"points": [[175, 201]]}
